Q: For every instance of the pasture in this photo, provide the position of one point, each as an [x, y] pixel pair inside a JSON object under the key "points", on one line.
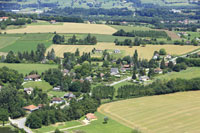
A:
{"points": [[27, 68], [172, 113], [66, 28], [144, 52], [190, 73]]}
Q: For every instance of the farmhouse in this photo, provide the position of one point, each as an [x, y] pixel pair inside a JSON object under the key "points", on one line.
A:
{"points": [[65, 72], [53, 21], [90, 117], [31, 108], [33, 77], [28, 90], [56, 100]]}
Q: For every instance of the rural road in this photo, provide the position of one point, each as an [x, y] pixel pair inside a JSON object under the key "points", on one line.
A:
{"points": [[20, 123], [185, 55], [123, 80]]}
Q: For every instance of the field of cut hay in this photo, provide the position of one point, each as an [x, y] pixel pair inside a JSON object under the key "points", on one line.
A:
{"points": [[66, 28], [144, 52], [172, 113]]}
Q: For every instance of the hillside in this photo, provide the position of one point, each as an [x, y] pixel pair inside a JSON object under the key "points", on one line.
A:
{"points": [[177, 112], [33, 5]]}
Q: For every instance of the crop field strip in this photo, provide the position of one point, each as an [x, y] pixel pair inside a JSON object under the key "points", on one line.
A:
{"points": [[66, 28], [177, 112], [144, 52]]}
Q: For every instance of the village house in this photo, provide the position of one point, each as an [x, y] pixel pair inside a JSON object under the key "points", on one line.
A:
{"points": [[65, 72], [28, 90], [56, 88], [127, 67], [158, 71], [117, 51], [31, 108], [168, 57], [33, 77], [143, 78], [69, 95], [57, 100], [3, 18], [114, 71], [90, 117], [123, 69]]}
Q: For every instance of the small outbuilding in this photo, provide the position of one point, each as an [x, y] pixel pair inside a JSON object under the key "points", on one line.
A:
{"points": [[31, 108], [90, 117]]}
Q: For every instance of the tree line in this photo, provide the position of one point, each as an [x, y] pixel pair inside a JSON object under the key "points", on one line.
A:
{"points": [[140, 33], [89, 40], [159, 88]]}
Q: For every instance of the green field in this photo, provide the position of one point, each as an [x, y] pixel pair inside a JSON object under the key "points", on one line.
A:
{"points": [[55, 126], [24, 42], [172, 113], [97, 126], [39, 84], [6, 41], [192, 72], [27, 68]]}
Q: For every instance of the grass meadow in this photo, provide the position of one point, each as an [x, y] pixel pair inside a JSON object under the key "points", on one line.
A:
{"points": [[27, 68], [56, 126], [192, 72], [98, 126], [45, 86], [178, 112]]}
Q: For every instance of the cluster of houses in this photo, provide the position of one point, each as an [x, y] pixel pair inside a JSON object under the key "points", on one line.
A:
{"points": [[186, 22], [33, 77]]}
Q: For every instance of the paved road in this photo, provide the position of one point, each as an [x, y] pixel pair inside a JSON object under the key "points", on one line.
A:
{"points": [[20, 123], [123, 80]]}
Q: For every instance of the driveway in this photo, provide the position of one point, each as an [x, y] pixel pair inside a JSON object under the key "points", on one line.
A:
{"points": [[20, 123], [123, 80]]}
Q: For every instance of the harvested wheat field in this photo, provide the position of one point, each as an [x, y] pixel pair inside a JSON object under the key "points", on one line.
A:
{"points": [[172, 113], [171, 34], [144, 52], [66, 28]]}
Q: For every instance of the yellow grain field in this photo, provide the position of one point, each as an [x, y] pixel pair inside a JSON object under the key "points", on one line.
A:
{"points": [[66, 28], [144, 52], [172, 113]]}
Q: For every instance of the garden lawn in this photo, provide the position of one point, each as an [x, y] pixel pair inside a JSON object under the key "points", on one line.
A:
{"points": [[45, 86], [27, 68], [56, 93], [97, 126], [55, 126]]}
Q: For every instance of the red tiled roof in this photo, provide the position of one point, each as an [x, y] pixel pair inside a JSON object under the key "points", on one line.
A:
{"points": [[90, 116], [31, 107]]}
